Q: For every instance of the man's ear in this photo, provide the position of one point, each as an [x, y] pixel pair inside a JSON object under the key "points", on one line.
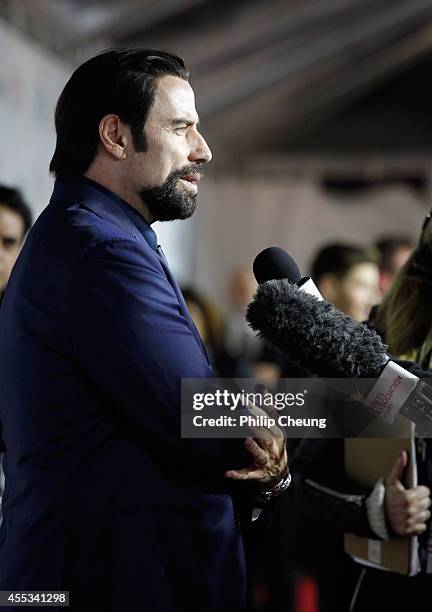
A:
{"points": [[113, 136], [328, 286]]}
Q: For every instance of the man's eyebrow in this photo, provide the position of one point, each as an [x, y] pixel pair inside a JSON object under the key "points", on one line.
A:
{"points": [[184, 121]]}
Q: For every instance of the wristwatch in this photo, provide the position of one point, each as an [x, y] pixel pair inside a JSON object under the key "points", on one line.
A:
{"points": [[278, 489]]}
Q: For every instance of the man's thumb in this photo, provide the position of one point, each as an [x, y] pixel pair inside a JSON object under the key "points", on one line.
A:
{"points": [[398, 468]]}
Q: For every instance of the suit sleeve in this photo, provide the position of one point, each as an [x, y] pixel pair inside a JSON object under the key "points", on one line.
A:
{"points": [[134, 343]]}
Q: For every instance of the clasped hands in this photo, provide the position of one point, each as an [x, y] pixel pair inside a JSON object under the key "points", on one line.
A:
{"points": [[267, 450]]}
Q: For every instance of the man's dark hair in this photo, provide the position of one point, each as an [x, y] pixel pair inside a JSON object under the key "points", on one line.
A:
{"points": [[118, 81], [338, 259], [11, 198], [388, 246]]}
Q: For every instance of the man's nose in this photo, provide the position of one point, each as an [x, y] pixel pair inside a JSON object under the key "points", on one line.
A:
{"points": [[201, 151]]}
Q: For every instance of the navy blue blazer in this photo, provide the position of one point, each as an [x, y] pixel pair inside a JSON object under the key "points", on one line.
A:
{"points": [[103, 498]]}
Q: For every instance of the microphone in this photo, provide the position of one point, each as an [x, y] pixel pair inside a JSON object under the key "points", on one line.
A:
{"points": [[314, 334], [275, 263]]}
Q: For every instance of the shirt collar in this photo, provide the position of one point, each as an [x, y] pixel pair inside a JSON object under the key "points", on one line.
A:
{"points": [[134, 216]]}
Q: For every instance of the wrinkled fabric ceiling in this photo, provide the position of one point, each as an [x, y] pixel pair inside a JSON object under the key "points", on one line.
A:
{"points": [[263, 71]]}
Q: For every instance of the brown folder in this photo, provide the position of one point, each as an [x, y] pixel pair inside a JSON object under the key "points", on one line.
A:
{"points": [[366, 461]]}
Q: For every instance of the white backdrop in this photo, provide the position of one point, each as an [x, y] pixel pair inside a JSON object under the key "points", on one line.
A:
{"points": [[30, 82], [238, 218]]}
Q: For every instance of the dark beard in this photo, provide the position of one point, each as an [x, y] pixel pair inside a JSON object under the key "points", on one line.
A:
{"points": [[167, 202]]}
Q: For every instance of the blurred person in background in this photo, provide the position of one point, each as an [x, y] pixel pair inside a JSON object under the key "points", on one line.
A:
{"points": [[245, 354], [389, 509], [240, 341], [394, 252], [15, 221], [348, 277], [404, 316], [208, 321]]}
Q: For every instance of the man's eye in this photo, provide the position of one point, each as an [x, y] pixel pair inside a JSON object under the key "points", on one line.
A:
{"points": [[181, 130], [9, 243]]}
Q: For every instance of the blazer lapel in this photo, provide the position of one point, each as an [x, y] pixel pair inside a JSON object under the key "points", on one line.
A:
{"points": [[182, 304]]}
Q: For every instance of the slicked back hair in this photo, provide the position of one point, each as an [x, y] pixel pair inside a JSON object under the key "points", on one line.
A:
{"points": [[122, 82]]}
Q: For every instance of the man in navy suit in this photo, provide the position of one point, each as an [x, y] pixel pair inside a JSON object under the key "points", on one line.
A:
{"points": [[103, 498]]}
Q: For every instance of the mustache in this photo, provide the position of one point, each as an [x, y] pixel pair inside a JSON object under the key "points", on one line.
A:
{"points": [[187, 170]]}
